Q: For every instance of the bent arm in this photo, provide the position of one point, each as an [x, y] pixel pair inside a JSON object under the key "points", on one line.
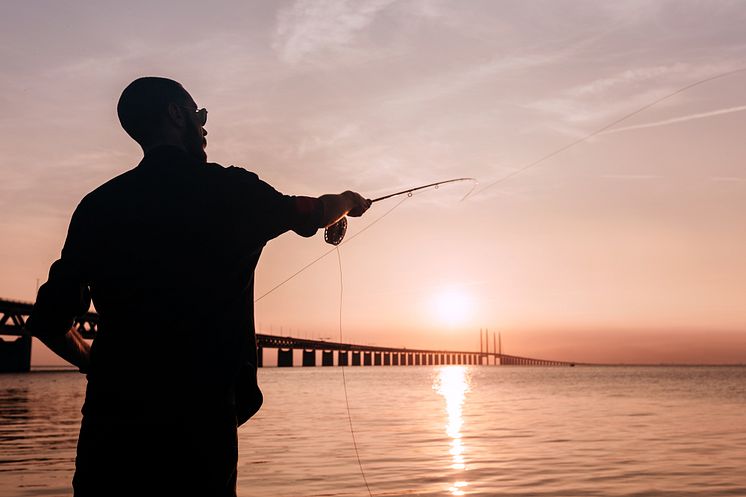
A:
{"points": [[64, 297], [71, 347]]}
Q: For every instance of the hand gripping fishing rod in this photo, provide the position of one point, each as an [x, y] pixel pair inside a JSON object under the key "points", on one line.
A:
{"points": [[335, 233]]}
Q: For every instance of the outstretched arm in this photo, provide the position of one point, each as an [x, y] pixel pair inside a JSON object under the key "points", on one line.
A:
{"points": [[343, 204]]}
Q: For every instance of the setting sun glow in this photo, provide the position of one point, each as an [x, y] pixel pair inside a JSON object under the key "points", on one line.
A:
{"points": [[452, 306]]}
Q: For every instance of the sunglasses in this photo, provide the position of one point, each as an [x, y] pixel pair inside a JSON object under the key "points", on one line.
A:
{"points": [[201, 115]]}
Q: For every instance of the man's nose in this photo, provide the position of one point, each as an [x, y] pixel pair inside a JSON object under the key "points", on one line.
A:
{"points": [[204, 132]]}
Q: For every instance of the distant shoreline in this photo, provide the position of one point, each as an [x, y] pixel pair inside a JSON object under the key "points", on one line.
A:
{"points": [[72, 369], [53, 369]]}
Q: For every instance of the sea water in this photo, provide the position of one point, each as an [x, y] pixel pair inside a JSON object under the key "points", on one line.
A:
{"points": [[438, 430]]}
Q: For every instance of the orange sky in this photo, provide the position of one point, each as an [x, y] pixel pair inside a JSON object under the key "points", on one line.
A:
{"points": [[627, 248]]}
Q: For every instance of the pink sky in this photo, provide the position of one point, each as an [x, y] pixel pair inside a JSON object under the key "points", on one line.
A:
{"points": [[627, 248]]}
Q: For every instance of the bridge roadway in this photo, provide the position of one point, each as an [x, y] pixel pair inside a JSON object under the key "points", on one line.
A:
{"points": [[16, 355]]}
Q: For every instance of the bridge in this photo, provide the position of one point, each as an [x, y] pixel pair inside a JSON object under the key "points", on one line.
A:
{"points": [[15, 354]]}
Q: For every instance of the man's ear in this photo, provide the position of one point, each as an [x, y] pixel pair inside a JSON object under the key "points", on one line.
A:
{"points": [[176, 115]]}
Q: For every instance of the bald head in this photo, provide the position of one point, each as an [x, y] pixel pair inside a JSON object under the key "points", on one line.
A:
{"points": [[143, 106], [154, 110]]}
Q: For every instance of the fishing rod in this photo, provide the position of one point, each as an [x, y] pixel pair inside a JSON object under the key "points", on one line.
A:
{"points": [[335, 233]]}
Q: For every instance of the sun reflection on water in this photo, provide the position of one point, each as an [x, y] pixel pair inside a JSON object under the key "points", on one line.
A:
{"points": [[452, 383]]}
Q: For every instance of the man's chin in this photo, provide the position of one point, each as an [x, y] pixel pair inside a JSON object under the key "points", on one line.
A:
{"points": [[200, 154]]}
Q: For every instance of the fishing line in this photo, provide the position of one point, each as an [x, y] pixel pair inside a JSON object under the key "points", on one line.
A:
{"points": [[344, 379], [328, 252], [335, 236], [606, 128], [338, 240], [335, 233]]}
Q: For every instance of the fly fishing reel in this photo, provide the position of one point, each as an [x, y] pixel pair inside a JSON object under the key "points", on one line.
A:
{"points": [[335, 233]]}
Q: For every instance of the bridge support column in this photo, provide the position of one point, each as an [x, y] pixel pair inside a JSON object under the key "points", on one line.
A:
{"points": [[417, 359], [410, 359], [395, 359], [15, 356], [355, 357], [327, 358], [429, 359], [284, 358], [377, 359], [342, 358], [260, 357], [387, 358], [309, 358], [366, 359]]}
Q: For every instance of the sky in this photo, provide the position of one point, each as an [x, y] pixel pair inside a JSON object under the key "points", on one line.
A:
{"points": [[628, 247]]}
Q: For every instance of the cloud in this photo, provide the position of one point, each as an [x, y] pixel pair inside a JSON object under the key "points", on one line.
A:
{"points": [[311, 26], [623, 91], [728, 179], [681, 119], [464, 78], [631, 177], [625, 78]]}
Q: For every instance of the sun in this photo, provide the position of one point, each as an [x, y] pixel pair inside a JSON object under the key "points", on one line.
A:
{"points": [[452, 306]]}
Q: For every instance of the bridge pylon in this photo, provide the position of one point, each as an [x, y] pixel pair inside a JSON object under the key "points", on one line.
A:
{"points": [[15, 355]]}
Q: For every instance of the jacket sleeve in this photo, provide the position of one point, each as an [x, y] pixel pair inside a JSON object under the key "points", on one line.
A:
{"points": [[65, 295], [275, 213]]}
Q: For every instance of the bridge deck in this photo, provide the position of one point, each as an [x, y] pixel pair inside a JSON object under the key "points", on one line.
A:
{"points": [[13, 316]]}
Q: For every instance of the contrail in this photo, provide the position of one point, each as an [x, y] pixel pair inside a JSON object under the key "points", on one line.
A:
{"points": [[607, 127], [690, 117]]}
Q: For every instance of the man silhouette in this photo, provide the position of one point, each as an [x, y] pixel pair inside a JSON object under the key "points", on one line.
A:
{"points": [[167, 253]]}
